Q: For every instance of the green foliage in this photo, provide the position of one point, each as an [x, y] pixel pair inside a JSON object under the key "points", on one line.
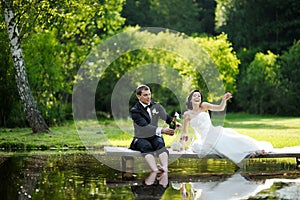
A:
{"points": [[77, 21], [201, 62], [270, 83], [259, 85], [86, 21], [262, 26], [265, 24], [246, 56], [222, 12], [184, 16], [56, 38], [289, 81], [141, 66], [58, 35], [224, 57], [44, 67]]}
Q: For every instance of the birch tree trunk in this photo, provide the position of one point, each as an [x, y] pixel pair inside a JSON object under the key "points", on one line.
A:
{"points": [[33, 116]]}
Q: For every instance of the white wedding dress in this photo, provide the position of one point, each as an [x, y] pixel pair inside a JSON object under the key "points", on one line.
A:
{"points": [[222, 141]]}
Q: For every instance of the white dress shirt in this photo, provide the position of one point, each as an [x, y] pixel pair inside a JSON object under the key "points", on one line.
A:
{"points": [[158, 129]]}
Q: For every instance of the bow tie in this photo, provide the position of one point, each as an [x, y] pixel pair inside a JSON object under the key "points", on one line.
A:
{"points": [[148, 106], [148, 110]]}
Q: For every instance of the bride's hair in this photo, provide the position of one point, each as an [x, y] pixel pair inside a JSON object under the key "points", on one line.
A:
{"points": [[189, 103]]}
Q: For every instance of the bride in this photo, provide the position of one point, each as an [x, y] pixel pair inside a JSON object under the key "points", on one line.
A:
{"points": [[217, 140]]}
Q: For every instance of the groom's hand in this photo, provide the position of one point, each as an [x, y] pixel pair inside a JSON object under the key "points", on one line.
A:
{"points": [[167, 131]]}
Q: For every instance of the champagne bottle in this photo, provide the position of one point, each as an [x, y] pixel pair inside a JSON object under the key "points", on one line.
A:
{"points": [[173, 123]]}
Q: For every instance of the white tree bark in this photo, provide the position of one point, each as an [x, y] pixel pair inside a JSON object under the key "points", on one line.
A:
{"points": [[33, 116]]}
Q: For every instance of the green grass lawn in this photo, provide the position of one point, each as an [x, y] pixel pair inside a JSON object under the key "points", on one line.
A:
{"points": [[280, 131]]}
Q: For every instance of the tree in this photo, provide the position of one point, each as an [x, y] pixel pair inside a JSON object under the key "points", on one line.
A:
{"points": [[46, 77], [265, 24], [74, 28], [289, 81], [9, 99], [184, 16], [200, 62], [260, 85], [224, 57], [33, 116]]}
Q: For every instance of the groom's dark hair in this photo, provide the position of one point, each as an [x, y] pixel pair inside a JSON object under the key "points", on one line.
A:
{"points": [[140, 88], [189, 103]]}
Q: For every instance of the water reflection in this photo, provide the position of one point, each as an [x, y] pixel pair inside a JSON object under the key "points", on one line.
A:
{"points": [[239, 187], [153, 187], [79, 175]]}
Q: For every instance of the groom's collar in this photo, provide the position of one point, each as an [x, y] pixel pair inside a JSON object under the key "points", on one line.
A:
{"points": [[149, 105], [145, 105]]}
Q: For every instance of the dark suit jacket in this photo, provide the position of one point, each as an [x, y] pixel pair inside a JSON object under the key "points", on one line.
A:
{"points": [[144, 126]]}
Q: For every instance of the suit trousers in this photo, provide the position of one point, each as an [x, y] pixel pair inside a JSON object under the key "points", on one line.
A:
{"points": [[153, 145]]}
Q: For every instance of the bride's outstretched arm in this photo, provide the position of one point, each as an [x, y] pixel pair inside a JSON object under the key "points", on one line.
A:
{"points": [[186, 119], [218, 107]]}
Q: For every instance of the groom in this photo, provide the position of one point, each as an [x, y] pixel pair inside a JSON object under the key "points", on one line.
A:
{"points": [[148, 137]]}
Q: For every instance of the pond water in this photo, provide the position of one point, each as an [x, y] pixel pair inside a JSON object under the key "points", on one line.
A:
{"points": [[79, 175]]}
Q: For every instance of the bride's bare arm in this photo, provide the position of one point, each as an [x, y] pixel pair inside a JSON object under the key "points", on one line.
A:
{"points": [[217, 107], [186, 121]]}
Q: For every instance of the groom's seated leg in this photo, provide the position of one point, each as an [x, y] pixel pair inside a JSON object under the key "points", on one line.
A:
{"points": [[144, 146], [158, 144]]}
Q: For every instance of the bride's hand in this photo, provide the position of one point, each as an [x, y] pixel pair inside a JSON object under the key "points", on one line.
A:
{"points": [[184, 138], [227, 96]]}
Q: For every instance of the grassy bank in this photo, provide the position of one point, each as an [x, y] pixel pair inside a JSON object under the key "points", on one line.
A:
{"points": [[280, 131]]}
